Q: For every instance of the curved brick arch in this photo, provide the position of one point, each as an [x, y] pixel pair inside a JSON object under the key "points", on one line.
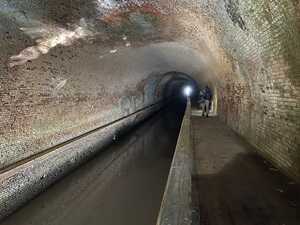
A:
{"points": [[65, 67]]}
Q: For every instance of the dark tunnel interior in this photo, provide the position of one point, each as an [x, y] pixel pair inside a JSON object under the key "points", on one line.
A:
{"points": [[78, 76], [175, 84]]}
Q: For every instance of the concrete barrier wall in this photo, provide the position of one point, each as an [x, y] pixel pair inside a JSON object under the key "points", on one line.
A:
{"points": [[176, 204], [22, 183]]}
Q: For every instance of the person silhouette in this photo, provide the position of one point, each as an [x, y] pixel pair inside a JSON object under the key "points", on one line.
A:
{"points": [[207, 95]]}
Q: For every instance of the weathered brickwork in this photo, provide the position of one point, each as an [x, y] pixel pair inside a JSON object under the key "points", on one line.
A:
{"points": [[252, 52], [40, 110], [73, 66], [262, 101]]}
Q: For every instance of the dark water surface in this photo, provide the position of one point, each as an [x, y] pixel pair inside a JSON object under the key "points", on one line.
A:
{"points": [[123, 185]]}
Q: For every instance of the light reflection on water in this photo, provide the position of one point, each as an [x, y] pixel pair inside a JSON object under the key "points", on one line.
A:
{"points": [[123, 185]]}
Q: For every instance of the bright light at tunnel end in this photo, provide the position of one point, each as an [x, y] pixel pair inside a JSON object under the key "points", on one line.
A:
{"points": [[187, 91]]}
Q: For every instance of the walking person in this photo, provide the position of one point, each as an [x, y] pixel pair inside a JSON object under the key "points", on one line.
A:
{"points": [[207, 101], [201, 100]]}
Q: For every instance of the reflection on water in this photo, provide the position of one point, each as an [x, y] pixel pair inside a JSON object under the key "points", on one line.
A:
{"points": [[123, 185]]}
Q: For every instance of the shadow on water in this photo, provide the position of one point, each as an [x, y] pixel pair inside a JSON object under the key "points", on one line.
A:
{"points": [[124, 184]]}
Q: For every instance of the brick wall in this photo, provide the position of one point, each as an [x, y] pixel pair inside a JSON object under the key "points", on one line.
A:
{"points": [[257, 46], [251, 49], [248, 50]]}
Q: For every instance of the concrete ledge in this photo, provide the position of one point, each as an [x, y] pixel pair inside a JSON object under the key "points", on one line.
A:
{"points": [[24, 182], [176, 204]]}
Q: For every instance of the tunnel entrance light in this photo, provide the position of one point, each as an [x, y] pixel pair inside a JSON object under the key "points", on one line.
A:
{"points": [[187, 91]]}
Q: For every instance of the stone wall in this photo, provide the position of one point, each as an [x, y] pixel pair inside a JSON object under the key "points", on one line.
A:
{"points": [[74, 66], [266, 108], [256, 45]]}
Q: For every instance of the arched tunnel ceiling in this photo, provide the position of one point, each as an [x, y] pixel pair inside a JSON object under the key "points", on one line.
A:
{"points": [[201, 26], [106, 30], [68, 66]]}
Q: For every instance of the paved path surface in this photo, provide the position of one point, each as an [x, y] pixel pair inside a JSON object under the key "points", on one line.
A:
{"points": [[234, 185]]}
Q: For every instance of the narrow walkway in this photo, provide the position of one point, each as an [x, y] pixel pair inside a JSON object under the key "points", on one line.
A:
{"points": [[234, 185]]}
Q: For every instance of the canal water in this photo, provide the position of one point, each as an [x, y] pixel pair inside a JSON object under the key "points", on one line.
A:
{"points": [[123, 185]]}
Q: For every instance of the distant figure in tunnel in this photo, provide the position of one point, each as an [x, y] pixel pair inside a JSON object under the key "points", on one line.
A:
{"points": [[201, 100], [207, 95]]}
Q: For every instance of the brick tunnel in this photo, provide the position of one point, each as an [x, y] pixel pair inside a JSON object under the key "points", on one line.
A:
{"points": [[78, 76]]}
